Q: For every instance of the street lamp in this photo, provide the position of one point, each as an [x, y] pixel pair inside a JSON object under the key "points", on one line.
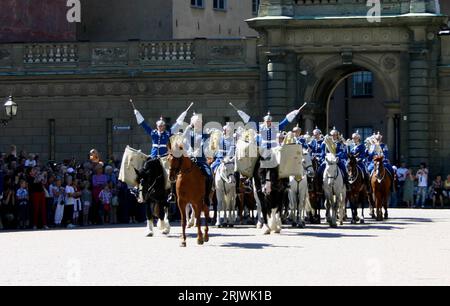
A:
{"points": [[11, 110]]}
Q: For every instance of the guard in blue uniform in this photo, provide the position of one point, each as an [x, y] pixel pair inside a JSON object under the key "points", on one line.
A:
{"points": [[160, 136], [315, 145], [300, 139], [372, 153], [227, 147], [359, 151], [341, 153], [194, 142]]}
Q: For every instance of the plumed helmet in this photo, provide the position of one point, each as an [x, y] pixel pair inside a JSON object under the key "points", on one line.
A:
{"points": [[196, 119], [297, 129], [268, 117], [160, 122], [334, 132], [356, 135], [317, 131], [378, 136]]}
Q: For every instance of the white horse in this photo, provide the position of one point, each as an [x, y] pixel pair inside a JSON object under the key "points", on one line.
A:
{"points": [[334, 190], [225, 184], [298, 192]]}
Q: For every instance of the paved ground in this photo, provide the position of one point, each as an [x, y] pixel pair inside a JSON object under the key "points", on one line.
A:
{"points": [[413, 247]]}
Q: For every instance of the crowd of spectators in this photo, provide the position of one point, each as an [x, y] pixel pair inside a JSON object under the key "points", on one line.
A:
{"points": [[66, 194]]}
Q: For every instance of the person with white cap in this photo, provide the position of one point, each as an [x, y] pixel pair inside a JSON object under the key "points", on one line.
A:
{"points": [[315, 145], [194, 143], [358, 149], [372, 153], [300, 139], [160, 136], [227, 146], [341, 154]]}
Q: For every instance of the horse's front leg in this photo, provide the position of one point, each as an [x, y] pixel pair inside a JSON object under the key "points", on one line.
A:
{"points": [[198, 214], [220, 199], [163, 220], [182, 208], [149, 217], [206, 212]]}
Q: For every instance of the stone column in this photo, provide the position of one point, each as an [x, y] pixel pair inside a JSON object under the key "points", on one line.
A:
{"points": [[390, 134], [308, 125], [276, 86], [418, 110]]}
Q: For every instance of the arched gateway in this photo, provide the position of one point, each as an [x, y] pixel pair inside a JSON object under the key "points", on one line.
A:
{"points": [[308, 47]]}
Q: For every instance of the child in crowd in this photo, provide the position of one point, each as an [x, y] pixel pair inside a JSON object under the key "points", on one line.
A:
{"points": [[86, 200], [23, 199], [78, 208], [105, 198], [70, 203], [58, 193], [114, 205], [438, 191]]}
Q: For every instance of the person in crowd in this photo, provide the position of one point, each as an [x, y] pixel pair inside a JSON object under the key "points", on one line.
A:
{"points": [[402, 174], [99, 180], [77, 208], [105, 197], [114, 205], [30, 162], [408, 189], [22, 201], [57, 191], [422, 177], [447, 188], [86, 200], [8, 205], [36, 184], [49, 200], [438, 191], [69, 203]]}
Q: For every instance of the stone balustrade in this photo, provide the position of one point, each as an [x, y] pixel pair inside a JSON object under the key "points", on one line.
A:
{"points": [[50, 54]]}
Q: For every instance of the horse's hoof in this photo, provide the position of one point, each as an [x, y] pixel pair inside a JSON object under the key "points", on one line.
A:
{"points": [[386, 216], [259, 225], [149, 234], [294, 224], [341, 223], [200, 241], [362, 221], [353, 221], [183, 244], [266, 230], [301, 225], [277, 231], [206, 239], [230, 225], [334, 225], [166, 231]]}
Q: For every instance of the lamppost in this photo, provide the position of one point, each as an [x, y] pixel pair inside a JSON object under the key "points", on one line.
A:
{"points": [[11, 110]]}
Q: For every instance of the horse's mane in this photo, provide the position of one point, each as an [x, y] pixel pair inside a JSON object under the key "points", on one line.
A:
{"points": [[378, 158]]}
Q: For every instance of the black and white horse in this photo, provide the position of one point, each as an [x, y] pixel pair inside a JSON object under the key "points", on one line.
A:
{"points": [[153, 194]]}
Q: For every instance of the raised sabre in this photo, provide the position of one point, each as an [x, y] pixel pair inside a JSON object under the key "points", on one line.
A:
{"points": [[132, 104]]}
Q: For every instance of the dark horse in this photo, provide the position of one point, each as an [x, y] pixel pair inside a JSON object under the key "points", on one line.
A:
{"points": [[381, 183], [190, 187], [358, 193], [271, 202], [152, 182], [315, 193]]}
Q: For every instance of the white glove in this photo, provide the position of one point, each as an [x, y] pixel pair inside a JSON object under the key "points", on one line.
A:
{"points": [[244, 116], [139, 118], [291, 116]]}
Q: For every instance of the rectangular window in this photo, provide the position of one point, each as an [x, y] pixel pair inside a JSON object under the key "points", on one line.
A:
{"points": [[255, 6], [197, 3], [220, 5], [364, 131], [362, 83]]}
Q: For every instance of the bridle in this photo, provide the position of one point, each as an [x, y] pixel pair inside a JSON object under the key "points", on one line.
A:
{"points": [[179, 170]]}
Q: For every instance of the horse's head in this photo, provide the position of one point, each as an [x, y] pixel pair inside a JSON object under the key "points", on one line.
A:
{"points": [[149, 176], [175, 164], [227, 170], [378, 163], [331, 159], [308, 164]]}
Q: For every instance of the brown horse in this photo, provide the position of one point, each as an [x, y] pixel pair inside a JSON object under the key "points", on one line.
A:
{"points": [[246, 199], [381, 183], [358, 194], [190, 188], [315, 193]]}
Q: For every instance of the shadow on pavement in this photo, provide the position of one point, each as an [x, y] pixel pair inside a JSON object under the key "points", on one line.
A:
{"points": [[253, 246], [328, 235]]}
